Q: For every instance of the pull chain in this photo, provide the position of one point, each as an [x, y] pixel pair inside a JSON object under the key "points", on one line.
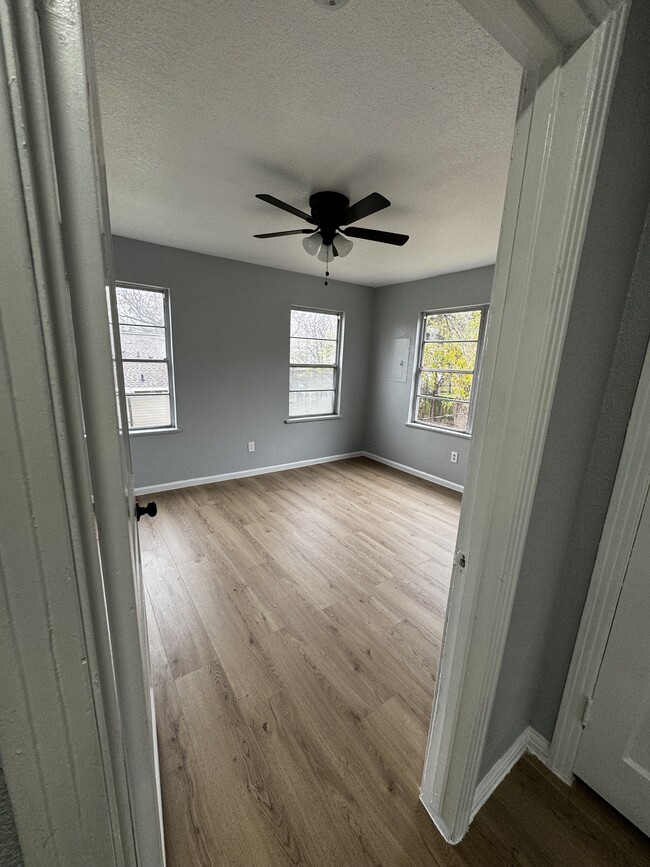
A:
{"points": [[327, 264]]}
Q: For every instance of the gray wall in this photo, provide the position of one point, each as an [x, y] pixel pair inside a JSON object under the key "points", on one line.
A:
{"points": [[604, 351], [397, 309], [10, 854], [230, 323]]}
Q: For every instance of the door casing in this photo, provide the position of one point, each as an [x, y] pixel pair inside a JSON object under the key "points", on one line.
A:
{"points": [[564, 104], [97, 727]]}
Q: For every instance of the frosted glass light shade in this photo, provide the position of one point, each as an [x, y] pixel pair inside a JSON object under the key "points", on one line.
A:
{"points": [[312, 243], [325, 254], [342, 245]]}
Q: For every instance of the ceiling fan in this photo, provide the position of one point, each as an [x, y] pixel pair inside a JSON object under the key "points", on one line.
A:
{"points": [[329, 213]]}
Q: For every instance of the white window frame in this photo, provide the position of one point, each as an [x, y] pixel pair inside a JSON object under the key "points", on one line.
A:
{"points": [[169, 355], [418, 368], [336, 367]]}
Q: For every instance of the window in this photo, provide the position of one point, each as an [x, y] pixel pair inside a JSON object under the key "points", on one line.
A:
{"points": [[315, 363], [145, 338], [449, 355]]}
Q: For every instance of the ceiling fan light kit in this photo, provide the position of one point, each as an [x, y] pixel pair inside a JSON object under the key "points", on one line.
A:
{"points": [[313, 243], [342, 245], [330, 212]]}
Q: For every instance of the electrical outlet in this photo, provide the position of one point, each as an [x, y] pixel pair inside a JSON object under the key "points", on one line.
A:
{"points": [[454, 457], [251, 446]]}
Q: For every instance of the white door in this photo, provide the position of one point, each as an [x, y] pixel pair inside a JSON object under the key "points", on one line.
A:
{"points": [[614, 754]]}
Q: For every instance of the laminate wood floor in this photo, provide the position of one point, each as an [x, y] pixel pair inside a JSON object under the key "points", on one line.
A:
{"points": [[294, 626]]}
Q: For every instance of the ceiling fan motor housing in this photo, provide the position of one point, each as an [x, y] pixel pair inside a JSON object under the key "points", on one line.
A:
{"points": [[331, 4], [327, 209]]}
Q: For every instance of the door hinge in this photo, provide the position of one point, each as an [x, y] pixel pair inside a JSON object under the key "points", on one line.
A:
{"points": [[586, 711]]}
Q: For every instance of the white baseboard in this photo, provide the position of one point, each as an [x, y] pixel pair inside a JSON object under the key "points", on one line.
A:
{"points": [[538, 746], [413, 472], [499, 771], [241, 474], [529, 741], [259, 471]]}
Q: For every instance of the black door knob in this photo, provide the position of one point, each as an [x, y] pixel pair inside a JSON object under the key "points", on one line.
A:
{"points": [[150, 509]]}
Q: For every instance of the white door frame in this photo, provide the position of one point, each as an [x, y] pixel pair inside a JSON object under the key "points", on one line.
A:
{"points": [[566, 91], [69, 69], [79, 755], [60, 730], [623, 516]]}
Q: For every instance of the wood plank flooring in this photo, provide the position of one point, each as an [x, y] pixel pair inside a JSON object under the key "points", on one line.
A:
{"points": [[294, 625]]}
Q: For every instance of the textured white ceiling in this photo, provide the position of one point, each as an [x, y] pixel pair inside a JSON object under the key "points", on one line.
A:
{"points": [[206, 102]]}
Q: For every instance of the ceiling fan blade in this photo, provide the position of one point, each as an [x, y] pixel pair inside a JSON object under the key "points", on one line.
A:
{"points": [[376, 235], [364, 208], [280, 234], [271, 200]]}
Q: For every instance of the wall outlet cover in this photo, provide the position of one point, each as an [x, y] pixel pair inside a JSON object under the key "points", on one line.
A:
{"points": [[454, 457], [251, 446]]}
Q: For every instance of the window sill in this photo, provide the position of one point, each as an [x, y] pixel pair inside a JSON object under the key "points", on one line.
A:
{"points": [[300, 418], [154, 430], [444, 430]]}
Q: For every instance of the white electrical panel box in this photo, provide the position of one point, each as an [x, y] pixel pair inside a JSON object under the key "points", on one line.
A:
{"points": [[398, 359]]}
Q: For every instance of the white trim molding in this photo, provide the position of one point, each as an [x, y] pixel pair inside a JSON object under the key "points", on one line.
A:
{"points": [[558, 139], [623, 516], [538, 746], [294, 465], [63, 188], [439, 430], [529, 741], [241, 474], [499, 771], [537, 32], [60, 734], [429, 477]]}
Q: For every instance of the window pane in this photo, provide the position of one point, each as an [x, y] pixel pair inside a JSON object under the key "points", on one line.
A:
{"points": [[311, 403], [142, 341], [145, 376], [310, 378], [455, 385], [309, 323], [459, 356], [303, 351], [460, 325], [442, 413], [148, 410], [140, 306]]}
